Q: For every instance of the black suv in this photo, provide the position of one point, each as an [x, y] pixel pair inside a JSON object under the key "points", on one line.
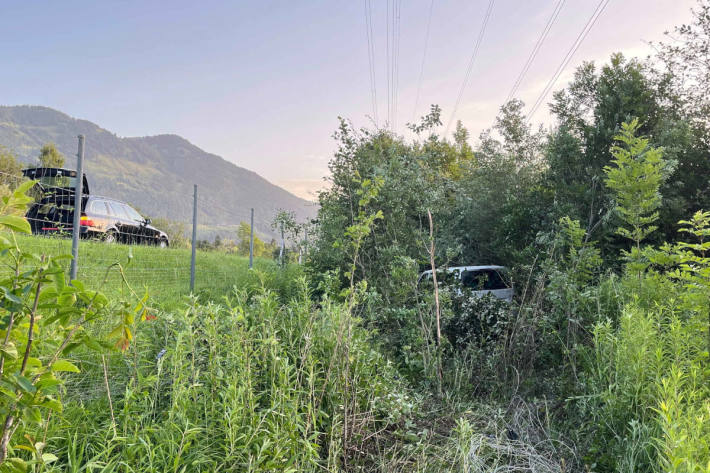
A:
{"points": [[113, 220], [101, 217]]}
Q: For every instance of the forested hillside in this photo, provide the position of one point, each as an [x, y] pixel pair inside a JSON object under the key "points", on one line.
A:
{"points": [[155, 173]]}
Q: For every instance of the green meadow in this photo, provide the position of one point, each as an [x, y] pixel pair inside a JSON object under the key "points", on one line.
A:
{"points": [[164, 273]]}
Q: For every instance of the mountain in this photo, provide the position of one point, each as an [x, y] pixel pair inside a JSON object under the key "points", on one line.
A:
{"points": [[154, 173]]}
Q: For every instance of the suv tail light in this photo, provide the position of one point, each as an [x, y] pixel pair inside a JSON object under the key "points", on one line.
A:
{"points": [[86, 221]]}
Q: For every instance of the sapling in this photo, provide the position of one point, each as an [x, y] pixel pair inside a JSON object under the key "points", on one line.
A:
{"points": [[635, 181]]}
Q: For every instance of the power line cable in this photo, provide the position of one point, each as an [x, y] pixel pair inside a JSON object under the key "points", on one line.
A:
{"points": [[392, 18], [421, 71], [568, 57], [471, 61], [396, 29], [371, 59], [536, 49], [389, 74]]}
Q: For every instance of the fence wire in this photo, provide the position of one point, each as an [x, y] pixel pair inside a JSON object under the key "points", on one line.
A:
{"points": [[51, 216], [164, 274]]}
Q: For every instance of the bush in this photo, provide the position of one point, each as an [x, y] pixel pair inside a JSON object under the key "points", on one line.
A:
{"points": [[647, 384], [481, 321]]}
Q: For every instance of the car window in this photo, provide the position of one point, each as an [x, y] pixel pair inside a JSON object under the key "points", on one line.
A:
{"points": [[99, 207], [132, 213], [52, 177], [483, 280], [442, 277], [117, 210]]}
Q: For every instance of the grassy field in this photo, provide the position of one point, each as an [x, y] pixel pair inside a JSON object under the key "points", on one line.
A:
{"points": [[164, 273]]}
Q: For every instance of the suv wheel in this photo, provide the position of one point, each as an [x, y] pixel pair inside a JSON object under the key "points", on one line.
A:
{"points": [[110, 237], [163, 243]]}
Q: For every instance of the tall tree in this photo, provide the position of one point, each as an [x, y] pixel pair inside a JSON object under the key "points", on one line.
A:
{"points": [[683, 76], [686, 65], [50, 157], [589, 113], [635, 179], [497, 206]]}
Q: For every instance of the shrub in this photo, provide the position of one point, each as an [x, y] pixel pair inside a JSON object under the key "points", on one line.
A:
{"points": [[481, 321], [647, 385]]}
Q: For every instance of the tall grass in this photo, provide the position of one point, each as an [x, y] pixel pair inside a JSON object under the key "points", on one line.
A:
{"points": [[245, 385], [648, 387]]}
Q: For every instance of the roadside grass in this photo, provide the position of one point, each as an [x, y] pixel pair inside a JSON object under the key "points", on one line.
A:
{"points": [[163, 272]]}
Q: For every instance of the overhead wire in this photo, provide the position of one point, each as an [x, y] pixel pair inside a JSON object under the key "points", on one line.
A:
{"points": [[371, 59], [471, 61], [421, 70], [568, 57], [396, 29], [536, 49], [389, 91]]}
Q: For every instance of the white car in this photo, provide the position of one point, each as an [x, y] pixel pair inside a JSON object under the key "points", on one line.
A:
{"points": [[480, 279]]}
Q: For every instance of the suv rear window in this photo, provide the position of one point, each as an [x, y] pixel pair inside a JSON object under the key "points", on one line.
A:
{"points": [[484, 279], [99, 207]]}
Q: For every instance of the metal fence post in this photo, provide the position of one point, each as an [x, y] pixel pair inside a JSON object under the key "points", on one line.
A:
{"points": [[194, 241], [283, 246], [251, 240], [76, 228]]}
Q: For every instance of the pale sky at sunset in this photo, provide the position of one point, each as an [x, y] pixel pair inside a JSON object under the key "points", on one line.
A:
{"points": [[262, 83]]}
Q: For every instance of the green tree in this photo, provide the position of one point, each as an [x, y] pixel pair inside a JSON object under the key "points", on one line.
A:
{"points": [[50, 157], [10, 171], [499, 204], [244, 235], [684, 85], [635, 180], [590, 112], [685, 65]]}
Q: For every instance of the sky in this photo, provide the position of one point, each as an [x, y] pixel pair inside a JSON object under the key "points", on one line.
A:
{"points": [[262, 83]]}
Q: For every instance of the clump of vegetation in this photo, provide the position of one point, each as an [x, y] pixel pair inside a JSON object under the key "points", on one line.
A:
{"points": [[248, 384], [614, 334], [10, 171], [44, 319]]}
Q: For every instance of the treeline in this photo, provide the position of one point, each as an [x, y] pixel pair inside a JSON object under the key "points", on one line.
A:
{"points": [[11, 169], [601, 218], [292, 249], [240, 245], [490, 204]]}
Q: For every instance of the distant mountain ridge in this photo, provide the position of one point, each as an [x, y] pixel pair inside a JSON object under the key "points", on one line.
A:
{"points": [[155, 173]]}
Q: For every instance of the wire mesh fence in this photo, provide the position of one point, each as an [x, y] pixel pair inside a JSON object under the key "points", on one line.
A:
{"points": [[112, 231], [164, 273]]}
